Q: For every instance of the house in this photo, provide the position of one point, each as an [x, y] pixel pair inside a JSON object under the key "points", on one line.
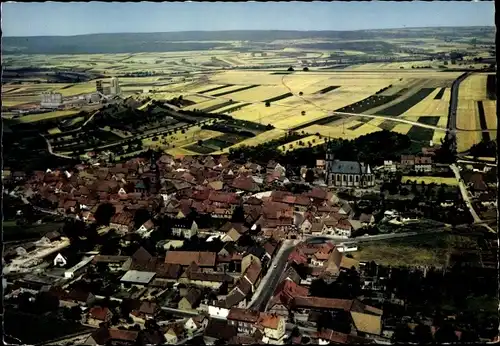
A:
{"points": [[254, 253], [174, 333], [75, 297], [191, 300], [195, 323], [185, 258], [218, 329], [243, 320], [60, 261], [137, 278], [78, 268], [347, 173], [253, 274], [232, 231], [147, 310], [25, 249], [184, 228], [105, 336], [389, 166], [328, 336], [218, 309], [146, 228], [283, 296], [98, 315], [407, 161], [343, 228], [423, 164], [320, 257], [123, 222], [113, 263], [273, 327], [337, 262]]}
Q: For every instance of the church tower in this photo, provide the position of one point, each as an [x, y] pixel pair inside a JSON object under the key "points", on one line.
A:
{"points": [[330, 157]]}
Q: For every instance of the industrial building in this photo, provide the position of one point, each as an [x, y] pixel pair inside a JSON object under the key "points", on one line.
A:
{"points": [[98, 87], [51, 100], [115, 86]]}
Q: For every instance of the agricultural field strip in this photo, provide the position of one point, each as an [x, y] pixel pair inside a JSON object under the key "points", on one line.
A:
{"points": [[404, 105], [259, 139], [490, 112], [241, 88]]}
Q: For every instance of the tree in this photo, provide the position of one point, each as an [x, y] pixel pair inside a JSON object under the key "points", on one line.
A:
{"points": [[290, 69], [301, 93], [303, 112], [309, 176], [268, 104], [445, 334], [200, 142], [305, 69], [422, 334], [402, 334], [238, 215]]}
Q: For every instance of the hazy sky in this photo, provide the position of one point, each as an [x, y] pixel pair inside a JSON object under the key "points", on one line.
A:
{"points": [[53, 18]]}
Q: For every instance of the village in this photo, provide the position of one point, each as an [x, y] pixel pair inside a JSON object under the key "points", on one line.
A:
{"points": [[166, 250]]}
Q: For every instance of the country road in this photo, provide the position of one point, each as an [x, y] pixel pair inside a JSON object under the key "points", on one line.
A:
{"points": [[466, 198]]}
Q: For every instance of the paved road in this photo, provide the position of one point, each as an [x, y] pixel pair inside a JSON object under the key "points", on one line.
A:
{"points": [[466, 198], [270, 280]]}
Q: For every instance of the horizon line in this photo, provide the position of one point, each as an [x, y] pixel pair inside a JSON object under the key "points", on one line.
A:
{"points": [[260, 30]]}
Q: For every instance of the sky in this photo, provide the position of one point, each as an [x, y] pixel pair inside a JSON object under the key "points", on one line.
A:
{"points": [[78, 18]]}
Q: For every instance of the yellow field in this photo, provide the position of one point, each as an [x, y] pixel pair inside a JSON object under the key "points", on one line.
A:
{"points": [[438, 135], [77, 89], [402, 128], [429, 180], [180, 151], [473, 88], [191, 136], [30, 118], [259, 139], [490, 113]]}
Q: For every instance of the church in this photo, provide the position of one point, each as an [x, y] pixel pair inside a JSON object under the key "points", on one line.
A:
{"points": [[347, 173]]}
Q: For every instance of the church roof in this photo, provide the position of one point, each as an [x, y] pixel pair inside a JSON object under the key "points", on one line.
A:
{"points": [[349, 167]]}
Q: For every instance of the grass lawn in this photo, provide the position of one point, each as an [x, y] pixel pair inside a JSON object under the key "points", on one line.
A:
{"points": [[428, 249], [31, 118], [429, 180]]}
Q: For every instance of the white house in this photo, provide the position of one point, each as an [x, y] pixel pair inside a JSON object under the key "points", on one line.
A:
{"points": [[60, 261], [185, 228], [389, 166], [218, 309], [78, 268]]}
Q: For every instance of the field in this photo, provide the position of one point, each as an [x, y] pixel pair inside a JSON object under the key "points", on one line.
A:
{"points": [[421, 250], [228, 77], [475, 112], [430, 180]]}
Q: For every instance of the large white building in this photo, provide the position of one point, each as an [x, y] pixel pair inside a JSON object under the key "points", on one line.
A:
{"points": [[115, 86], [51, 100]]}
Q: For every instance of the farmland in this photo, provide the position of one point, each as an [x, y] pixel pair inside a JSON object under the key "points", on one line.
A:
{"points": [[476, 111], [256, 86]]}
